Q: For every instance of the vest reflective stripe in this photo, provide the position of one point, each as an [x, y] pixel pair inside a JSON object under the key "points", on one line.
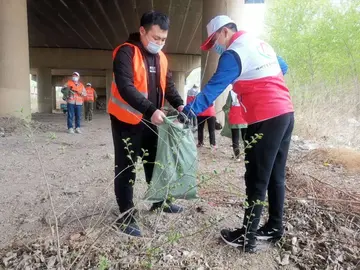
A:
{"points": [[125, 105], [117, 106]]}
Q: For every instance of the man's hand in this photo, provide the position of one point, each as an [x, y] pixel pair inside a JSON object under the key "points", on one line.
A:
{"points": [[158, 117], [180, 108]]}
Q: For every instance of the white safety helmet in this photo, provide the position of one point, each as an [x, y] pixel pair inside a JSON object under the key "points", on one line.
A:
{"points": [[88, 84]]}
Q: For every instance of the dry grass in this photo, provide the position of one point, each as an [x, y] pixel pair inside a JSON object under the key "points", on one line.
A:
{"points": [[346, 158], [328, 113]]}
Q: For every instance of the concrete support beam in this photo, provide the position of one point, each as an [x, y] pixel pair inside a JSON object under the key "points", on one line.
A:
{"points": [[96, 81], [14, 59], [54, 98], [61, 58], [211, 8], [109, 79], [82, 72], [44, 90], [179, 80]]}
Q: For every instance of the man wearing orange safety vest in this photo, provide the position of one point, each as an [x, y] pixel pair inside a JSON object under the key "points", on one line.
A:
{"points": [[141, 84], [74, 99], [89, 100]]}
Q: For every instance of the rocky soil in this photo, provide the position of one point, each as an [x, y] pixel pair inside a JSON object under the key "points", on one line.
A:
{"points": [[46, 172]]}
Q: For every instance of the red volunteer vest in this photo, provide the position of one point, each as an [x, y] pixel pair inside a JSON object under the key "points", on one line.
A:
{"points": [[261, 86]]}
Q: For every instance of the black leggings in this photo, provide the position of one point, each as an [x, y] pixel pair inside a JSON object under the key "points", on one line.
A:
{"points": [[235, 136], [211, 120]]}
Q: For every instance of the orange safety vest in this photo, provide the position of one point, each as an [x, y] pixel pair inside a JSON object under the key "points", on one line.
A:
{"points": [[117, 106], [89, 94], [76, 97]]}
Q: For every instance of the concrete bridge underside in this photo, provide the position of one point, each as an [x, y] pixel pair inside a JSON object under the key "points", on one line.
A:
{"points": [[53, 37]]}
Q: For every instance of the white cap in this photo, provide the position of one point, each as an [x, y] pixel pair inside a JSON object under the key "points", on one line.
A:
{"points": [[76, 73], [88, 84], [214, 25]]}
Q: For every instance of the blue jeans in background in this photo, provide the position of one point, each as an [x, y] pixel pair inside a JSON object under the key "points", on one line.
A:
{"points": [[72, 110]]}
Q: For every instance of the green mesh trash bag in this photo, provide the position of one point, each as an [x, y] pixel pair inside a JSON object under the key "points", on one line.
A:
{"points": [[174, 175]]}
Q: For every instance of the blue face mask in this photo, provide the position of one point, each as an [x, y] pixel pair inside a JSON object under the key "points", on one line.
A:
{"points": [[219, 49], [154, 48]]}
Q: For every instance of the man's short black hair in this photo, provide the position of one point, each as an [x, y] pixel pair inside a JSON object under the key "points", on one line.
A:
{"points": [[231, 26], [151, 18]]}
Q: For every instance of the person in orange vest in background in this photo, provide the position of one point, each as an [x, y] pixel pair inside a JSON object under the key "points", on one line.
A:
{"points": [[207, 116], [74, 99], [141, 84], [89, 100]]}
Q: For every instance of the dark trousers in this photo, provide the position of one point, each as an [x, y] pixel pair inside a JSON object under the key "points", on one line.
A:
{"points": [[211, 120], [73, 110], [138, 138], [265, 169], [89, 106], [235, 136]]}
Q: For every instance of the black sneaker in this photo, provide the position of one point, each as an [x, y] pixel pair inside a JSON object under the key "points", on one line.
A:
{"points": [[267, 233], [128, 226], [167, 207], [240, 239]]}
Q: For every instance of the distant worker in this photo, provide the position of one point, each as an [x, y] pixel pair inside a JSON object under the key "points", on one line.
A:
{"points": [[89, 100], [74, 93], [141, 84], [208, 116], [232, 110], [252, 67]]}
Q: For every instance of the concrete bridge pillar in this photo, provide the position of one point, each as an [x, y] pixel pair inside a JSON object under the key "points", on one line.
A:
{"points": [[14, 59], [54, 97], [179, 80], [44, 90]]}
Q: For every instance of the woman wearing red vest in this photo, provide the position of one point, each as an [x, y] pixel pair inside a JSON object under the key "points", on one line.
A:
{"points": [[141, 84], [252, 67], [234, 118], [207, 116]]}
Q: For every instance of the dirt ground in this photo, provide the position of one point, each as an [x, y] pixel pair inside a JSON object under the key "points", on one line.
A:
{"points": [[77, 169]]}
